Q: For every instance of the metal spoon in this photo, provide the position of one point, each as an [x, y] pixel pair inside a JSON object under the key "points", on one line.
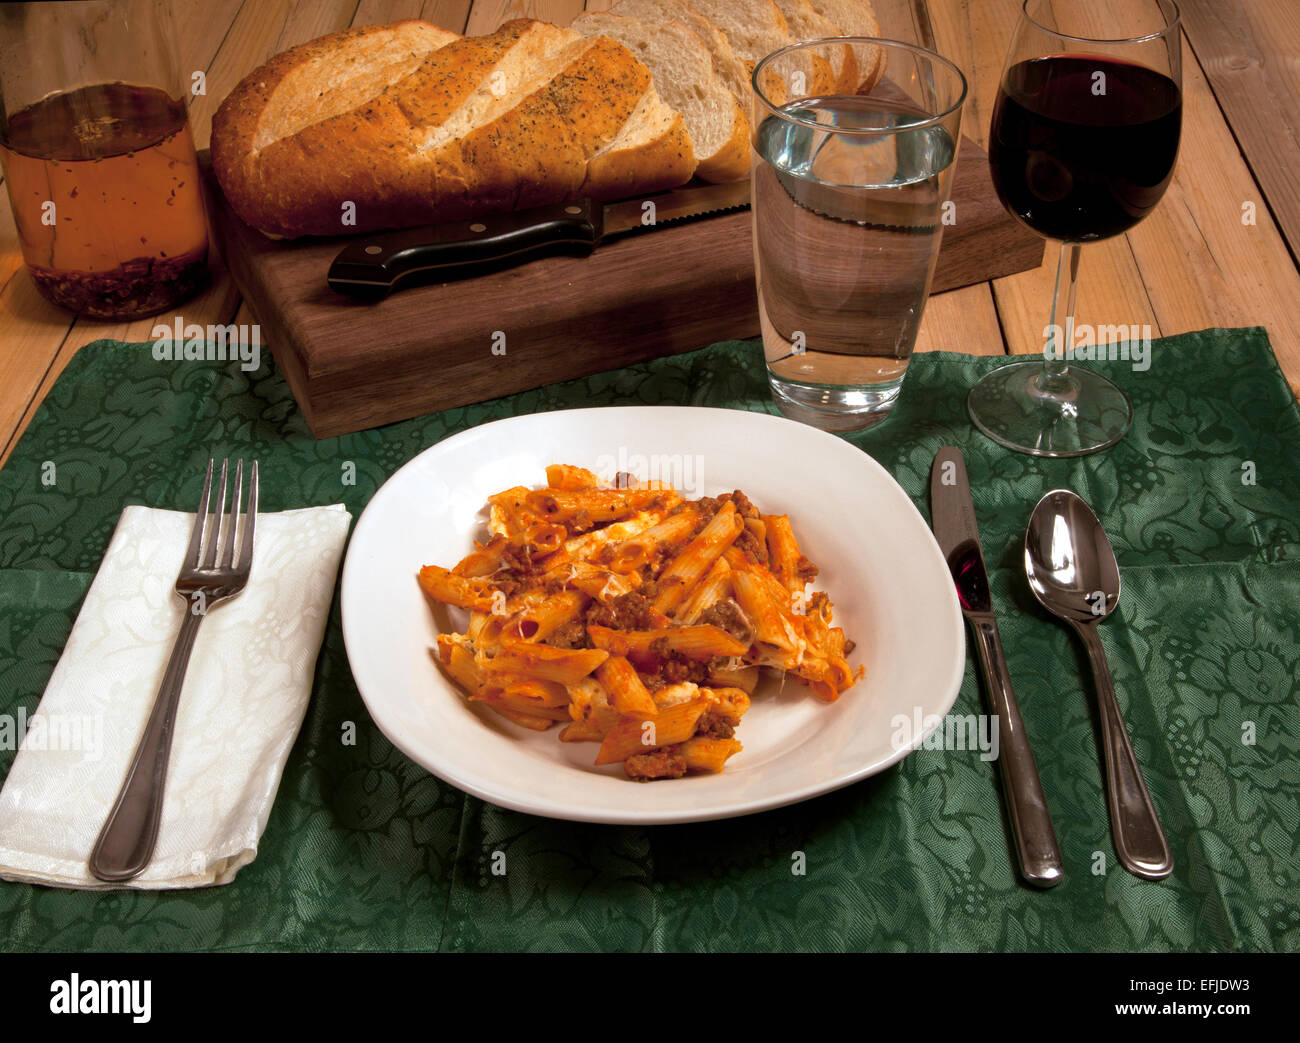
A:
{"points": [[1073, 573]]}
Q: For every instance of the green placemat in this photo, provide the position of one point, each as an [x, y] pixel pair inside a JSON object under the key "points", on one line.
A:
{"points": [[365, 850]]}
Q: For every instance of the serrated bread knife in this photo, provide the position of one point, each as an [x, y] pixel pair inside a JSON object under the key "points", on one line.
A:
{"points": [[374, 266], [955, 529]]}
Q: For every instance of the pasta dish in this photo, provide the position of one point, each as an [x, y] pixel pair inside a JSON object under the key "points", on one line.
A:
{"points": [[636, 618]]}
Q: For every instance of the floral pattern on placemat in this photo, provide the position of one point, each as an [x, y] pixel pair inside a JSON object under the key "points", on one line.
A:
{"points": [[365, 850]]}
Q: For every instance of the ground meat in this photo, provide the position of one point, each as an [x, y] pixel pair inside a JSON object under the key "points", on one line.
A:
{"points": [[743, 507], [652, 681], [749, 543], [712, 725], [572, 635], [728, 615], [630, 611], [517, 559], [805, 569], [666, 762], [553, 584], [709, 506], [509, 583], [677, 668]]}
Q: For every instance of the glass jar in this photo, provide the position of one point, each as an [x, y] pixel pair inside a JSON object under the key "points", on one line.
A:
{"points": [[98, 156]]}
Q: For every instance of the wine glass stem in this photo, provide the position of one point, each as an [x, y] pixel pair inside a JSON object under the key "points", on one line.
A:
{"points": [[1060, 332]]}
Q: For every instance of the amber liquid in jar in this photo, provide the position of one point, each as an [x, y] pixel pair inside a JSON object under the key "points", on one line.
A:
{"points": [[105, 191]]}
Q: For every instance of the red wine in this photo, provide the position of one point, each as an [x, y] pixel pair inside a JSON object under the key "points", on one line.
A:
{"points": [[1083, 147]]}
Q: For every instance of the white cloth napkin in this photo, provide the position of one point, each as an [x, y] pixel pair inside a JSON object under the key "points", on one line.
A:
{"points": [[245, 696]]}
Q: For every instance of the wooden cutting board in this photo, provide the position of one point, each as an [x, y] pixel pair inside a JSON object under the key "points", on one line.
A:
{"points": [[355, 365]]}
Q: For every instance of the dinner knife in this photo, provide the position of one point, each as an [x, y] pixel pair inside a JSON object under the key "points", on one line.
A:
{"points": [[957, 533], [374, 266]]}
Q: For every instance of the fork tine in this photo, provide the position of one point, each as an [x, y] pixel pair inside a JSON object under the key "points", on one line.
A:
{"points": [[246, 548], [226, 559], [214, 526], [196, 537]]}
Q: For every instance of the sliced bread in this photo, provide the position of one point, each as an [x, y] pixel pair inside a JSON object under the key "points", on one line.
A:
{"points": [[857, 18], [807, 24], [726, 66], [683, 75]]}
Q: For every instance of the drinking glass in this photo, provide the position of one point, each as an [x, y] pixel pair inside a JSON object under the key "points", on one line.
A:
{"points": [[850, 177], [1084, 137], [98, 157]]}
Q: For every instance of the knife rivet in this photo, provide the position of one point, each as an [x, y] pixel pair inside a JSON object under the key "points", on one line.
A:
{"points": [[374, 249], [573, 209], [476, 227]]}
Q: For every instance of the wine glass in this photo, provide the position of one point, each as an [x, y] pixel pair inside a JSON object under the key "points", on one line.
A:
{"points": [[1084, 137]]}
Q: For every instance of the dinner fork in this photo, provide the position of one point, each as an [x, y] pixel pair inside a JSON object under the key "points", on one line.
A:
{"points": [[210, 574]]}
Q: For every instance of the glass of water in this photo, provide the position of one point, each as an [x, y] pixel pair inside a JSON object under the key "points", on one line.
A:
{"points": [[854, 145]]}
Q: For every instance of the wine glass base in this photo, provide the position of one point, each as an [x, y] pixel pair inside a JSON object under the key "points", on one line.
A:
{"points": [[1077, 413]]}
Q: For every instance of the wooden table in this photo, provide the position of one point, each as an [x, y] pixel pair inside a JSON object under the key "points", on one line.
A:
{"points": [[1197, 261]]}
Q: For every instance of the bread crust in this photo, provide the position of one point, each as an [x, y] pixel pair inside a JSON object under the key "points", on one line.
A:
{"points": [[418, 153], [731, 162]]}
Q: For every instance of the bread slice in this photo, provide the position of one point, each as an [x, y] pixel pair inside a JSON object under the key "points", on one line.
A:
{"points": [[530, 114], [730, 70], [683, 76], [324, 78], [806, 24], [756, 28], [857, 18]]}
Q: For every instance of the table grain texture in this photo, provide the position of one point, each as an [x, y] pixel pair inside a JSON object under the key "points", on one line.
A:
{"points": [[1194, 263]]}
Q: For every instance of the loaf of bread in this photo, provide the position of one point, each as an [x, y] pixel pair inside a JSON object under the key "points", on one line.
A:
{"points": [[393, 126], [405, 124]]}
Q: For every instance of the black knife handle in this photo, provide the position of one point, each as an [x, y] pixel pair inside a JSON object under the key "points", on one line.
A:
{"points": [[374, 266]]}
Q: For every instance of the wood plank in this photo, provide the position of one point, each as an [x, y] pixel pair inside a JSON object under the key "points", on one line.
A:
{"points": [[486, 15], [247, 43], [381, 12], [964, 320], [201, 27], [1248, 53], [1201, 265], [31, 330], [446, 14], [899, 20]]}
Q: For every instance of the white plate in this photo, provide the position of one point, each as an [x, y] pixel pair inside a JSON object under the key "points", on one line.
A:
{"points": [[879, 563]]}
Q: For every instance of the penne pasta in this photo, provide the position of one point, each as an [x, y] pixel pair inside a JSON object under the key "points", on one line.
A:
{"points": [[626, 690], [568, 477], [545, 663], [635, 619], [640, 735], [462, 591], [697, 558], [715, 586], [703, 641], [704, 754]]}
